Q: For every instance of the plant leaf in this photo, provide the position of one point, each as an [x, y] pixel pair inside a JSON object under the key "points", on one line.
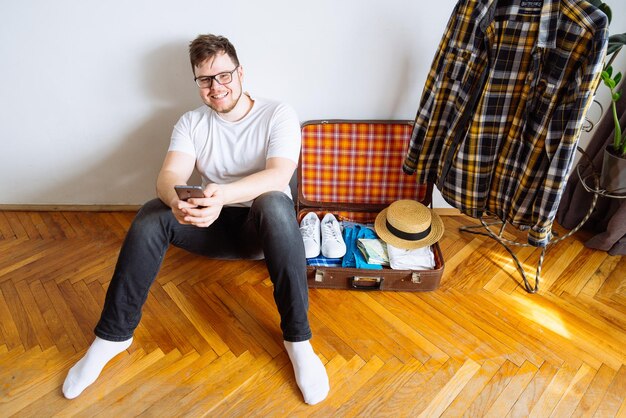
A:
{"points": [[613, 48], [609, 70], [611, 83], [617, 78], [616, 96], [618, 38], [616, 42]]}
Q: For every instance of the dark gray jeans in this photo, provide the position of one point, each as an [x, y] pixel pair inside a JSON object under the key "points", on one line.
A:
{"points": [[269, 228]]}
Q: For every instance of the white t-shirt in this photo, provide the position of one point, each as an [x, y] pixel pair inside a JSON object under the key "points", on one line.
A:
{"points": [[228, 151]]}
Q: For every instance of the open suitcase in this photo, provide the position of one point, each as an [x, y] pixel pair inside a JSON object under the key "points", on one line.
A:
{"points": [[353, 169]]}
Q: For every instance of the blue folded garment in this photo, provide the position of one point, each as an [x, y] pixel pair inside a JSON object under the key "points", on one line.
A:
{"points": [[354, 257], [320, 260]]}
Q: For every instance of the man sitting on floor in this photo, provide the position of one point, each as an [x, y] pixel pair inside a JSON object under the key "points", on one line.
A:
{"points": [[246, 150]]}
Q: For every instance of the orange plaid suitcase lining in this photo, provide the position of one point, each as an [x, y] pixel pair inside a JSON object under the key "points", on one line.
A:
{"points": [[357, 163]]}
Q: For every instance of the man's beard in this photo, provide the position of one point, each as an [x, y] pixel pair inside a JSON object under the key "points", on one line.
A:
{"points": [[230, 108]]}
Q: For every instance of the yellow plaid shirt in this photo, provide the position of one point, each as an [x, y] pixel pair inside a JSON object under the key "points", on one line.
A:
{"points": [[503, 105]]}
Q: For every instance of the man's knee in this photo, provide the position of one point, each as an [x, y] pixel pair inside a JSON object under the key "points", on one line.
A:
{"points": [[153, 213], [278, 204]]}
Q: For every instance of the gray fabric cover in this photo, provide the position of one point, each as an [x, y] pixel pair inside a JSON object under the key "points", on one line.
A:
{"points": [[608, 220]]}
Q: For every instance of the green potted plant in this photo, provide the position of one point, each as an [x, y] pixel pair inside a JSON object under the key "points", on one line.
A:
{"points": [[613, 176]]}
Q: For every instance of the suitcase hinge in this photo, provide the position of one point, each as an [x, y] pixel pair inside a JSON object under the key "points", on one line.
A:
{"points": [[319, 276], [416, 278]]}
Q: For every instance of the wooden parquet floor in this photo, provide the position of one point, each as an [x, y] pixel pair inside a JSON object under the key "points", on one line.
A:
{"points": [[209, 343]]}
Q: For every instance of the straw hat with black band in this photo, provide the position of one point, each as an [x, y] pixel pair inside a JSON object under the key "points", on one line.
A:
{"points": [[409, 225]]}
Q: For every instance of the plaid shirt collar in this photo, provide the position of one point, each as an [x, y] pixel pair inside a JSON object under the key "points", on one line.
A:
{"points": [[550, 11]]}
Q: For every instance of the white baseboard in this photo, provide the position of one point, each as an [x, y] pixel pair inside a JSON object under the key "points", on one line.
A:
{"points": [[131, 208], [70, 208]]}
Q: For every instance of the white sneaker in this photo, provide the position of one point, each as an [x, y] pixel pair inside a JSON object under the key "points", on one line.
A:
{"points": [[333, 245], [310, 231]]}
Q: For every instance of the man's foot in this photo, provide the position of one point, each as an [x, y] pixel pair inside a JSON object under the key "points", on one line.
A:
{"points": [[87, 370], [310, 372]]}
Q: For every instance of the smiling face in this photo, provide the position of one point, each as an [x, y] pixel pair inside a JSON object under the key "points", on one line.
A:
{"points": [[225, 99]]}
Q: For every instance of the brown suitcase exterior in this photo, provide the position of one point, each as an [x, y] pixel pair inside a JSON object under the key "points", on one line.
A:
{"points": [[353, 168]]}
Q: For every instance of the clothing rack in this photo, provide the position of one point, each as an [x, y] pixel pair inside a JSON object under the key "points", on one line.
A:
{"points": [[498, 237]]}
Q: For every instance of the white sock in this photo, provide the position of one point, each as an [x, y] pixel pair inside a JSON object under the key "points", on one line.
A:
{"points": [[88, 368], [309, 370]]}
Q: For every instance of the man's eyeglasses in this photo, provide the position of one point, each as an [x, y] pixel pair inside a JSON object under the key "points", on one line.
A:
{"points": [[205, 82]]}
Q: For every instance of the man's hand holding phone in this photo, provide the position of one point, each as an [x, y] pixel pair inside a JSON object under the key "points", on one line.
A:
{"points": [[197, 206]]}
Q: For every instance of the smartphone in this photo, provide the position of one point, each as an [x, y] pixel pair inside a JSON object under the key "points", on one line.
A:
{"points": [[186, 192]]}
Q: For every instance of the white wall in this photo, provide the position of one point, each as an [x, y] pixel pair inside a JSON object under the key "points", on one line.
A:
{"points": [[89, 91]]}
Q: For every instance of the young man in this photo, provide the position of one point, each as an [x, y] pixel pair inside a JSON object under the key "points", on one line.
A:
{"points": [[246, 150]]}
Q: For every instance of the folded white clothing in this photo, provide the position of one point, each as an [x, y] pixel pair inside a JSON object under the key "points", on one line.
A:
{"points": [[419, 259]]}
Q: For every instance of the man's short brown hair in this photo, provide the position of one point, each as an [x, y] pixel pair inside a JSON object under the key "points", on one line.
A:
{"points": [[207, 46]]}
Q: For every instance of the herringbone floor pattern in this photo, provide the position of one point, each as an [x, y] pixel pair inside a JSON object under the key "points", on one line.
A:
{"points": [[209, 342]]}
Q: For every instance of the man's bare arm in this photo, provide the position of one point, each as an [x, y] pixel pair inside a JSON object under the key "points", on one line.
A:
{"points": [[176, 169], [275, 177]]}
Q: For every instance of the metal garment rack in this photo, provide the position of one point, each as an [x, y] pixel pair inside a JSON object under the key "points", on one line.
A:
{"points": [[580, 169]]}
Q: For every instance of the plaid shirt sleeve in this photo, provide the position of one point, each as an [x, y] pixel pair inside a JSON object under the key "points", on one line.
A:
{"points": [[429, 93], [563, 134]]}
